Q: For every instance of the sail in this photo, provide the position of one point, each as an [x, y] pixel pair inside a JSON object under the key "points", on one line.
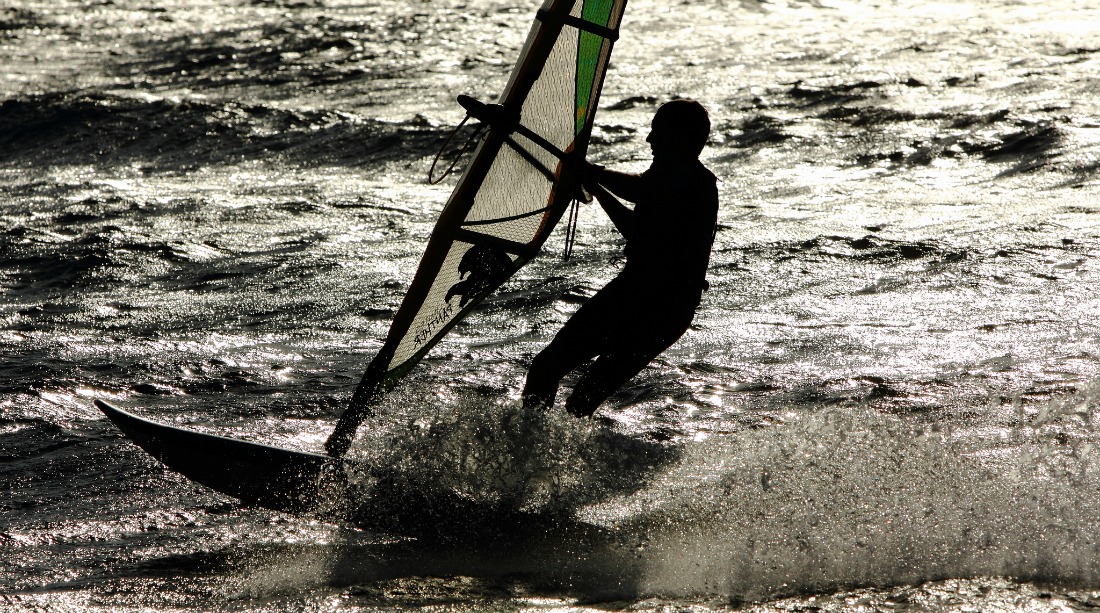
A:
{"points": [[513, 192]]}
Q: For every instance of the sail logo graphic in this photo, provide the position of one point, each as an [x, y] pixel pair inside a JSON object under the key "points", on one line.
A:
{"points": [[441, 316], [481, 269]]}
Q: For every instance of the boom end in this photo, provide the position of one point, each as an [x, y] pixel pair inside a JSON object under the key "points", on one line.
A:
{"points": [[496, 115]]}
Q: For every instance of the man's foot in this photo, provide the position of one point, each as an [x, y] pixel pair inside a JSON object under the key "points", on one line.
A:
{"points": [[579, 412], [535, 402]]}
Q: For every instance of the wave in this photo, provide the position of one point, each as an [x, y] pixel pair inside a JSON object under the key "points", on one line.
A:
{"points": [[870, 247], [172, 134], [1023, 145], [312, 47], [838, 499], [853, 498], [15, 20], [869, 123]]}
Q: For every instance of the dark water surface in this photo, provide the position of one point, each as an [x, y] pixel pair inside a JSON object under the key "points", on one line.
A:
{"points": [[209, 212]]}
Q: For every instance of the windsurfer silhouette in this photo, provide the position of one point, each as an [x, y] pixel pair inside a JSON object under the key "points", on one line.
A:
{"points": [[651, 303]]}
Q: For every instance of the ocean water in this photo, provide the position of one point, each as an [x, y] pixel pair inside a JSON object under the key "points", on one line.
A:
{"points": [[889, 400]]}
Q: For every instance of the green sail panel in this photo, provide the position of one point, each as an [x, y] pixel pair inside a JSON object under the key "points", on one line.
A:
{"points": [[592, 52]]}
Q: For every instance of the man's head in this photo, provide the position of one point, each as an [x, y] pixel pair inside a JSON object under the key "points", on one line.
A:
{"points": [[680, 129]]}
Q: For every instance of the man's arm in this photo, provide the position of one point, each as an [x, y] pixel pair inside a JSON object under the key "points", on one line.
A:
{"points": [[598, 180], [627, 186], [617, 212]]}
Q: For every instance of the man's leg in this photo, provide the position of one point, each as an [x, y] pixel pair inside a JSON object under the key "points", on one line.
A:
{"points": [[582, 338], [606, 375], [562, 355], [625, 358]]}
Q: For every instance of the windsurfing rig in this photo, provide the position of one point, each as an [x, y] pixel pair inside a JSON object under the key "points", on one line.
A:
{"points": [[510, 196]]}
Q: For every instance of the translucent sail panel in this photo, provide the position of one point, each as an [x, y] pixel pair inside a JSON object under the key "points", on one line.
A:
{"points": [[514, 191], [593, 53], [559, 106], [465, 276]]}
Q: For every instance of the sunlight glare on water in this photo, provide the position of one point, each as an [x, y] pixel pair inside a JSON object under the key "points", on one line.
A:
{"points": [[210, 212]]}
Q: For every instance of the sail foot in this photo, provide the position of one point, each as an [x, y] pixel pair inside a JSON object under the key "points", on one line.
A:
{"points": [[361, 408]]}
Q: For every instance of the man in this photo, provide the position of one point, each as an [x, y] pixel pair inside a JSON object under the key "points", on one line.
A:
{"points": [[651, 303]]}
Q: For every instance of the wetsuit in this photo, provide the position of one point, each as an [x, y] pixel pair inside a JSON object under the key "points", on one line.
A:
{"points": [[651, 303]]}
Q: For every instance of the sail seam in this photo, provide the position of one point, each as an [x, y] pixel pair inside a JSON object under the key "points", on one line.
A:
{"points": [[477, 238], [485, 222]]}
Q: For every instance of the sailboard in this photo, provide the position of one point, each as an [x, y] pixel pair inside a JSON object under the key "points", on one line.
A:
{"points": [[510, 196], [319, 486], [260, 475]]}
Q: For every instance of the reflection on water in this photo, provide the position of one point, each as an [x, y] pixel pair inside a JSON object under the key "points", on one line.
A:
{"points": [[210, 213]]}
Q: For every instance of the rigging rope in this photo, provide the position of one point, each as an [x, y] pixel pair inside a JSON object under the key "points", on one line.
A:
{"points": [[465, 147], [571, 228], [574, 204]]}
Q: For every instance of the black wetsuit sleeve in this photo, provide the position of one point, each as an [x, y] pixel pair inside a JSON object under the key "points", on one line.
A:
{"points": [[617, 212], [624, 185]]}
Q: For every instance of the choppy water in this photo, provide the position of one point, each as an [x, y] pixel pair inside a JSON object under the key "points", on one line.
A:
{"points": [[889, 400]]}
